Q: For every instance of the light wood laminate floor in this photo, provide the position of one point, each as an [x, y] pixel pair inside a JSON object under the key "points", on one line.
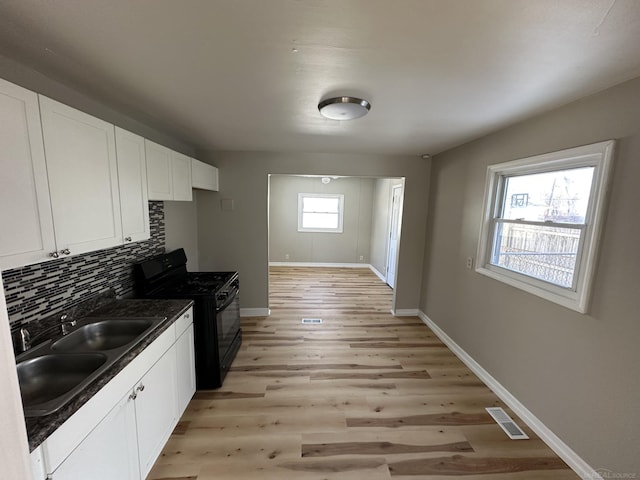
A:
{"points": [[363, 396]]}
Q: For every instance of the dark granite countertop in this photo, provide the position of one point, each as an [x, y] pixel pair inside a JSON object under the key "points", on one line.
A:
{"points": [[39, 428]]}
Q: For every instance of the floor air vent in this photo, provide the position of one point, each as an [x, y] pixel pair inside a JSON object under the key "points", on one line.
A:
{"points": [[311, 321], [507, 424]]}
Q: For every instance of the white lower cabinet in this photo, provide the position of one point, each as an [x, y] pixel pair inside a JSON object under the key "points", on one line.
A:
{"points": [[156, 410], [109, 452], [106, 442], [185, 361]]}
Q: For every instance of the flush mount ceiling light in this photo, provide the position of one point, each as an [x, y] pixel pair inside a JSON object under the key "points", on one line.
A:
{"points": [[344, 108]]}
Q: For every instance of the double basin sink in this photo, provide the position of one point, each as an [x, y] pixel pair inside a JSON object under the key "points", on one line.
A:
{"points": [[53, 373]]}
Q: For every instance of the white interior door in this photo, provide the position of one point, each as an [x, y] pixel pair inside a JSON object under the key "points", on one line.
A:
{"points": [[394, 234]]}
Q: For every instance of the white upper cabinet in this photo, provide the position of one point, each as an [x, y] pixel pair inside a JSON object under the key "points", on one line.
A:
{"points": [[181, 177], [72, 183], [159, 171], [25, 209], [83, 178], [132, 179], [168, 173], [204, 176]]}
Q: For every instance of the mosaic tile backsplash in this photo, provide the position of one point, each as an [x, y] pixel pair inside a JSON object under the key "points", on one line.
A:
{"points": [[35, 291]]}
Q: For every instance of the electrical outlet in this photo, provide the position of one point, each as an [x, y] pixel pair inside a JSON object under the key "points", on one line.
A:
{"points": [[469, 263], [362, 258], [286, 256]]}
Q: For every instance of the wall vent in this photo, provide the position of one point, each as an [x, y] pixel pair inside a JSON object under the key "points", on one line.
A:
{"points": [[311, 321], [507, 424]]}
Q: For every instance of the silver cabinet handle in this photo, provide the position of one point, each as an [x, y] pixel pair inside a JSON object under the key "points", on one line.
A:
{"points": [[127, 239], [66, 251], [140, 387], [133, 396], [54, 255]]}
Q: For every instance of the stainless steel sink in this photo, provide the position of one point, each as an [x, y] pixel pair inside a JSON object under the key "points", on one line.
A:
{"points": [[103, 335], [49, 377], [52, 373]]}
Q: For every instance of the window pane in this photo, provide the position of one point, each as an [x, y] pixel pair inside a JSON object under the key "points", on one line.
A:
{"points": [[320, 220], [546, 253], [320, 204], [561, 196]]}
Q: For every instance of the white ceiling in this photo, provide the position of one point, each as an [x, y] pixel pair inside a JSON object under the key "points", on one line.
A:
{"points": [[248, 74]]}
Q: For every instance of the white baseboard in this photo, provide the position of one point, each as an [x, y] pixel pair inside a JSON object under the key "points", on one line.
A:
{"points": [[405, 312], [563, 450], [255, 312], [378, 274], [318, 264]]}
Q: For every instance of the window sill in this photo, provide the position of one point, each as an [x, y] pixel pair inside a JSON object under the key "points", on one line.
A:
{"points": [[566, 298]]}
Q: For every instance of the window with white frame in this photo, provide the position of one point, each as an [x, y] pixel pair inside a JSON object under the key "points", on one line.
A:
{"points": [[542, 218], [320, 212]]}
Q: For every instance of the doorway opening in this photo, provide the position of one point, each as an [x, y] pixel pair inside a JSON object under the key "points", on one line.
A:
{"points": [[336, 221]]}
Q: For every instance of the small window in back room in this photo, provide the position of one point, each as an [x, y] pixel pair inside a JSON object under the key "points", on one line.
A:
{"points": [[318, 212], [541, 221]]}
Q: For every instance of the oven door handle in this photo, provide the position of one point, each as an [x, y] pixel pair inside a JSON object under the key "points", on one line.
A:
{"points": [[229, 300]]}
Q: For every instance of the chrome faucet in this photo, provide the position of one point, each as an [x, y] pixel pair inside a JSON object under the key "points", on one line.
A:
{"points": [[65, 324], [25, 342]]}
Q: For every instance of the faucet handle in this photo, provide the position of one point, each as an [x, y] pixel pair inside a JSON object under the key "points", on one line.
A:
{"points": [[24, 340], [66, 324]]}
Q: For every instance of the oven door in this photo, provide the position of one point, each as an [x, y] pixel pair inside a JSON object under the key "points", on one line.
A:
{"points": [[228, 326]]}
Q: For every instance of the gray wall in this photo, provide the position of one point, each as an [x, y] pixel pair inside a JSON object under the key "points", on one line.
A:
{"points": [[577, 373], [238, 239], [181, 229], [319, 247]]}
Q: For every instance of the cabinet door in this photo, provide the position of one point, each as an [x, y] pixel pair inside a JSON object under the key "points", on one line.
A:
{"points": [[204, 176], [83, 178], [159, 171], [109, 452], [25, 209], [181, 176], [36, 461], [186, 371], [132, 179], [156, 410]]}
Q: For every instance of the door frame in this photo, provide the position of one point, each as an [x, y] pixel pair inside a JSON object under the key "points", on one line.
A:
{"points": [[392, 213]]}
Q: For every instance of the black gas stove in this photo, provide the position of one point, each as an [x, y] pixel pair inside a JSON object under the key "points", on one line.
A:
{"points": [[216, 296]]}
